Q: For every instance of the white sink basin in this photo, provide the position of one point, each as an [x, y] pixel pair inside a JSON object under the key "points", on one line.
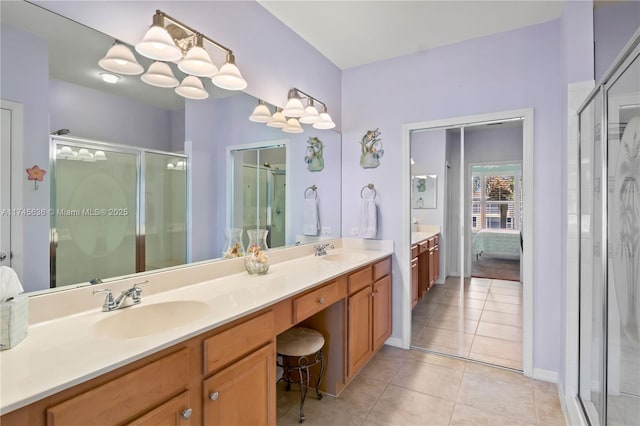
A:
{"points": [[343, 257], [143, 320]]}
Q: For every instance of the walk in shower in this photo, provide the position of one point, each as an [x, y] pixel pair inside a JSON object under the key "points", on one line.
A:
{"points": [[609, 365], [115, 210]]}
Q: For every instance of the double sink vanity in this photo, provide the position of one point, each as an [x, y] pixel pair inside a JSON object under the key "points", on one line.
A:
{"points": [[199, 348]]}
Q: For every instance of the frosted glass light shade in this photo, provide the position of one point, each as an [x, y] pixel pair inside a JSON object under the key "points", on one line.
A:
{"points": [[278, 120], [325, 122], [157, 44], [260, 114], [293, 108], [192, 88], [229, 78], [159, 74], [197, 62], [99, 156], [120, 59], [293, 126], [310, 115]]}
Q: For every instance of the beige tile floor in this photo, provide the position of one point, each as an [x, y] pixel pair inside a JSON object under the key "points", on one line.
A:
{"points": [[482, 323], [400, 387]]}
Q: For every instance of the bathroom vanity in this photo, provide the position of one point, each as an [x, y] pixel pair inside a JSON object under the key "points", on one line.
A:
{"points": [[425, 263], [201, 353]]}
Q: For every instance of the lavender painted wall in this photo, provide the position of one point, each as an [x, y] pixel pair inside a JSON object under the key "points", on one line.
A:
{"points": [[428, 152], [25, 79], [614, 24], [97, 115], [512, 70], [272, 57]]}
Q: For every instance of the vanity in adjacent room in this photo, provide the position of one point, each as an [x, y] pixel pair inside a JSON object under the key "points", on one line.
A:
{"points": [[205, 370], [425, 262]]}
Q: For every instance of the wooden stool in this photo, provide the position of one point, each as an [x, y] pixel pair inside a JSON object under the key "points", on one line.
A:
{"points": [[298, 349]]}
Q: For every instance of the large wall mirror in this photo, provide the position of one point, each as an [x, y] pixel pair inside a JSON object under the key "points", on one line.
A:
{"points": [[177, 148]]}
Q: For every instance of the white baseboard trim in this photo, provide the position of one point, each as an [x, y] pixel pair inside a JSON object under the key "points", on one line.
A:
{"points": [[545, 375], [395, 341]]}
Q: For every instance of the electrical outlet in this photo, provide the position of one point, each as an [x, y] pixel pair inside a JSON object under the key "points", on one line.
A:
{"points": [[326, 230], [355, 231]]}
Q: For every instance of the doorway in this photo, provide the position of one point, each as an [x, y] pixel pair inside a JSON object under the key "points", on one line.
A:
{"points": [[457, 304]]}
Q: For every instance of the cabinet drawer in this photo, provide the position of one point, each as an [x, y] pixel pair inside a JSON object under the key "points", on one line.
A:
{"points": [[121, 399], [431, 242], [414, 251], [317, 300], [381, 269], [231, 344], [423, 247], [360, 279], [436, 240], [175, 412]]}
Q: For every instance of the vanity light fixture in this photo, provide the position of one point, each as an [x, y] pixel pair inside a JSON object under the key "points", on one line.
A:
{"points": [[261, 113], [278, 120], [325, 121], [293, 126], [311, 114], [192, 88], [159, 74], [121, 60], [294, 106], [177, 42]]}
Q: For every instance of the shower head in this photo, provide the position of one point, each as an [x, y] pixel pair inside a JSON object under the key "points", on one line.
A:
{"points": [[60, 132]]}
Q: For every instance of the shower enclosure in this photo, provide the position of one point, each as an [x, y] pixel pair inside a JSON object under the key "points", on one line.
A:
{"points": [[609, 365], [115, 210]]}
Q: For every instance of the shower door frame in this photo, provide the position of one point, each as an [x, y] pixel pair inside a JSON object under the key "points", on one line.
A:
{"points": [[599, 95], [54, 140]]}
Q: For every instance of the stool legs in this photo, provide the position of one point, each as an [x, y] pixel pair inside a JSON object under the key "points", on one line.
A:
{"points": [[302, 367]]}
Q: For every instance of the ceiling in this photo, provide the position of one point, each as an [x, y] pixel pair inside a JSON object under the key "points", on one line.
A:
{"points": [[353, 33]]}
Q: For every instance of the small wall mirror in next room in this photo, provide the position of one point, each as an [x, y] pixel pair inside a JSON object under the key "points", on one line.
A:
{"points": [[424, 191]]}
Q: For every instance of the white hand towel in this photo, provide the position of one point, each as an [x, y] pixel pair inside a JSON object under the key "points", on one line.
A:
{"points": [[311, 224], [9, 283], [368, 218]]}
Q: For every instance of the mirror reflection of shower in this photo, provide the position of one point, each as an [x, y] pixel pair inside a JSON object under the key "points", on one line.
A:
{"points": [[115, 210], [258, 191]]}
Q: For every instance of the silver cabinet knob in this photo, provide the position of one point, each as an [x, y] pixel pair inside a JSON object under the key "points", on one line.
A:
{"points": [[321, 300], [214, 396], [186, 414], [3, 255]]}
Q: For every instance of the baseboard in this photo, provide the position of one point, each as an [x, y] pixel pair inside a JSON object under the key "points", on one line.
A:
{"points": [[395, 341], [545, 375]]}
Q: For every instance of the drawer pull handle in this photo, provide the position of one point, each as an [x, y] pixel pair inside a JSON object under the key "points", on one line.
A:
{"points": [[321, 300], [186, 414], [214, 396]]}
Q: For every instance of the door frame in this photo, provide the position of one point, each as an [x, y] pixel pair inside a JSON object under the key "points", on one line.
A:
{"points": [[404, 260], [16, 191]]}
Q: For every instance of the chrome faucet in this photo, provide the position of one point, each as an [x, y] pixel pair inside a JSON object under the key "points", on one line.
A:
{"points": [[321, 249], [127, 298]]}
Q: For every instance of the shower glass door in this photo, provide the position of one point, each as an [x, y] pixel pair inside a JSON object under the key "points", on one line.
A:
{"points": [[609, 369], [94, 213], [165, 225]]}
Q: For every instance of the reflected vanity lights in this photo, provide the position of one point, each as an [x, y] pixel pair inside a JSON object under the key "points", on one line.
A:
{"points": [[294, 113], [179, 43]]}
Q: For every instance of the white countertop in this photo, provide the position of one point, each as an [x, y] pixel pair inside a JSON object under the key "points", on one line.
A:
{"points": [[418, 237], [63, 352]]}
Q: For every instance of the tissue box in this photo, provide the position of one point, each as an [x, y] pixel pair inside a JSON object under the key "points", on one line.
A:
{"points": [[14, 321]]}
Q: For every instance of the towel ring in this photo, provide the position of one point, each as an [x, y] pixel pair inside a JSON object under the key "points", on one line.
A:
{"points": [[370, 187], [311, 188]]}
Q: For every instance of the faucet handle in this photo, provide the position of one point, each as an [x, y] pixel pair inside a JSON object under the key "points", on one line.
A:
{"points": [[109, 303]]}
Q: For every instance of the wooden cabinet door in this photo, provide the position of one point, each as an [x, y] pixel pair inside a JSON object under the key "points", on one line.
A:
{"points": [[432, 268], [436, 263], [359, 331], [414, 282], [381, 311], [175, 412], [423, 274], [243, 393]]}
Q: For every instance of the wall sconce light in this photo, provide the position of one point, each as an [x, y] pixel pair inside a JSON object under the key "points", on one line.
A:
{"points": [[175, 42], [289, 118]]}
